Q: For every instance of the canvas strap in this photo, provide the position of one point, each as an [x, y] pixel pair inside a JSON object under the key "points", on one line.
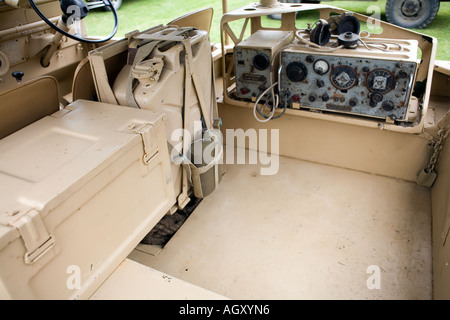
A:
{"points": [[140, 48]]}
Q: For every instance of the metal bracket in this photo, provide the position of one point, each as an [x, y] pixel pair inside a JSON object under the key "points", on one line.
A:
{"points": [[148, 71], [148, 140], [34, 235]]}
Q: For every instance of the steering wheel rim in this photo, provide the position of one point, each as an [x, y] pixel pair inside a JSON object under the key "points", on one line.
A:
{"points": [[53, 26]]}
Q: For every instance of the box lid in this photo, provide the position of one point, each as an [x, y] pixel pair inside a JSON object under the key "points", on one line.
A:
{"points": [[267, 39], [42, 164]]}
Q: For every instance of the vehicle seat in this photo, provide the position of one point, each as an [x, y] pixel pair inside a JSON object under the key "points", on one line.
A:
{"points": [[83, 86], [200, 19], [27, 103]]}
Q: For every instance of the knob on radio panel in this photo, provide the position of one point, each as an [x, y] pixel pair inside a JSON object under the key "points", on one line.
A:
{"points": [[296, 71]]}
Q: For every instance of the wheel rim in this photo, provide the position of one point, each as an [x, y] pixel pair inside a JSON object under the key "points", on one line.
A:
{"points": [[412, 11], [411, 8]]}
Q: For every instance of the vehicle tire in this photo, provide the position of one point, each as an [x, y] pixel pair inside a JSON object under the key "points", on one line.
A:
{"points": [[411, 13], [116, 4]]}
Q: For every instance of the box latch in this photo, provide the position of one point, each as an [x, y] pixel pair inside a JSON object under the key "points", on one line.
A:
{"points": [[35, 236], [149, 142]]}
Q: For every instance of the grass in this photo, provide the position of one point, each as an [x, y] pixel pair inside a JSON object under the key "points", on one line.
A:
{"points": [[143, 14]]}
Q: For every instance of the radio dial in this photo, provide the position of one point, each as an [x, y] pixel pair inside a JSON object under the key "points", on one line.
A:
{"points": [[320, 83], [388, 105], [343, 77], [375, 99], [261, 61], [296, 71], [380, 80]]}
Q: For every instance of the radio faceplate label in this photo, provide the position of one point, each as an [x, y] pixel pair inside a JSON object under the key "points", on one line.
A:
{"points": [[250, 77]]}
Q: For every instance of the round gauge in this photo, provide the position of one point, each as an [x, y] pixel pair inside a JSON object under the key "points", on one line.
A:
{"points": [[343, 77], [380, 80], [321, 67]]}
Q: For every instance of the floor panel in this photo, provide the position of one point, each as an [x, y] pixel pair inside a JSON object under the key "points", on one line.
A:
{"points": [[309, 232]]}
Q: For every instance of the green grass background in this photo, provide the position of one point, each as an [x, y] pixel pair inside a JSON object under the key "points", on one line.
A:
{"points": [[143, 14]]}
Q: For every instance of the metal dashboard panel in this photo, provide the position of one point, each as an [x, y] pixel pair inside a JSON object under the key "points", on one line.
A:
{"points": [[355, 81]]}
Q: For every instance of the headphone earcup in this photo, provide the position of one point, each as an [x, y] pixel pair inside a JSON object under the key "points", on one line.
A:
{"points": [[321, 34], [348, 24]]}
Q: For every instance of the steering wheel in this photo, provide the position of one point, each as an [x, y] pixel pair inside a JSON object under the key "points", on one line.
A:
{"points": [[67, 4]]}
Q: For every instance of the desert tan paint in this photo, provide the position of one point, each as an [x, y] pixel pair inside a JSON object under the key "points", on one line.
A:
{"points": [[340, 141]]}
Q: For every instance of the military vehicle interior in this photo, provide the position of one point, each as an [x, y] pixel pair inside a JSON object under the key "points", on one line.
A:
{"points": [[324, 168]]}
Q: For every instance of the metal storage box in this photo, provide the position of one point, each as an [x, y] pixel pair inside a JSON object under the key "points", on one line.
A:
{"points": [[78, 196]]}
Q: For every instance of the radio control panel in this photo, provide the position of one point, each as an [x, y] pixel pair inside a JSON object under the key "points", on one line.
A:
{"points": [[254, 60], [374, 81], [351, 84]]}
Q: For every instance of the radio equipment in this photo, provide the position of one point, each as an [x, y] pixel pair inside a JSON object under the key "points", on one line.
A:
{"points": [[255, 67], [374, 82]]}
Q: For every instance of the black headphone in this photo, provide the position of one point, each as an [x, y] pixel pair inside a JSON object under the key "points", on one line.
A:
{"points": [[348, 24], [321, 33]]}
